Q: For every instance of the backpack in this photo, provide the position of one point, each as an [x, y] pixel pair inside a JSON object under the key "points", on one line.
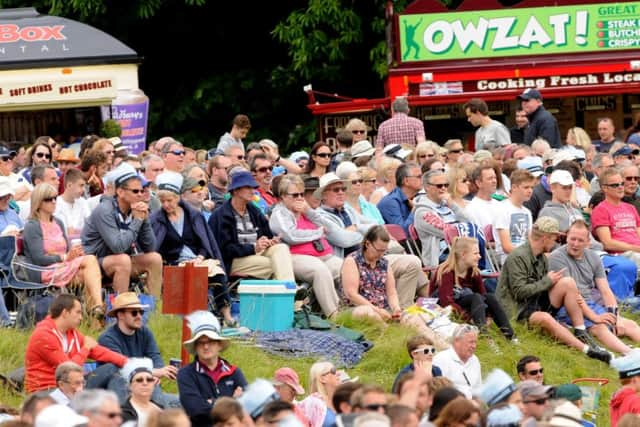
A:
{"points": [[34, 309]]}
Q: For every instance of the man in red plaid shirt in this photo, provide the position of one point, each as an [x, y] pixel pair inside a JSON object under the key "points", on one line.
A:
{"points": [[400, 128]]}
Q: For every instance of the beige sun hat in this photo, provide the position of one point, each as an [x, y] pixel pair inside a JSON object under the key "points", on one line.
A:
{"points": [[126, 300], [326, 180], [204, 323]]}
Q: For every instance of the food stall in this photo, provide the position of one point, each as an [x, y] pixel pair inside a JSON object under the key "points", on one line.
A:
{"points": [[61, 78], [584, 57]]}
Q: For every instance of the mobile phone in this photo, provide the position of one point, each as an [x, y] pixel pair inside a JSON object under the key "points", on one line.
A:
{"points": [[318, 246], [175, 362]]}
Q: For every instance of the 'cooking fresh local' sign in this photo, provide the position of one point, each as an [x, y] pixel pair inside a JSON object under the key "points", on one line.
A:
{"points": [[514, 32]]}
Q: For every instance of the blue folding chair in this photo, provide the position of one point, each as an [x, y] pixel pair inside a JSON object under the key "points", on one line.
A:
{"points": [[8, 263]]}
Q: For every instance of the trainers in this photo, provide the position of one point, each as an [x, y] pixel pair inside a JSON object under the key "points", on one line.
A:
{"points": [[599, 354], [586, 338]]}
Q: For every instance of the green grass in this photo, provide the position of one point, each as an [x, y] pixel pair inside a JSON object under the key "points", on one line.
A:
{"points": [[379, 365]]}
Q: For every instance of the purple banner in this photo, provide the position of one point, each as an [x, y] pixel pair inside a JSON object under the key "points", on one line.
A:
{"points": [[133, 120]]}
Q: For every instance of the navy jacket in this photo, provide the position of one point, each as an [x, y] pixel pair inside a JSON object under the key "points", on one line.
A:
{"points": [[207, 242], [435, 372], [225, 229], [395, 209], [542, 124], [140, 344], [198, 392]]}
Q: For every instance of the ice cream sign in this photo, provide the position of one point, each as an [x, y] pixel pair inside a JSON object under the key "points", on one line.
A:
{"points": [[516, 32]]}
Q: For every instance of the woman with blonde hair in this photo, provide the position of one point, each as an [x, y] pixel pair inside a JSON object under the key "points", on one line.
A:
{"points": [[358, 129], [324, 379], [458, 283], [46, 245], [368, 176], [458, 186], [387, 177], [424, 151], [578, 138]]}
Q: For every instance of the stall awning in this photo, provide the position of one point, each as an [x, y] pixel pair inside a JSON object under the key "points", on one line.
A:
{"points": [[31, 40]]}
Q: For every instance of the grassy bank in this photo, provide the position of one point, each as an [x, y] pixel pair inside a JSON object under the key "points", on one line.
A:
{"points": [[379, 365]]}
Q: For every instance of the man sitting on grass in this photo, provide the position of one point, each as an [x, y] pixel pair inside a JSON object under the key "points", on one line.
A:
{"points": [[537, 293], [601, 314], [56, 339]]}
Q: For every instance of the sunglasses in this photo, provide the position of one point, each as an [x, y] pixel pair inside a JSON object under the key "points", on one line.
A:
{"points": [[135, 190], [136, 313], [296, 195], [240, 157], [439, 186], [339, 189], [359, 131], [50, 199], [147, 380], [357, 181], [535, 372], [465, 180], [632, 178], [45, 155], [7, 158], [425, 350], [456, 151], [370, 181], [323, 155], [177, 152], [376, 407], [332, 371], [614, 185], [264, 169], [540, 401]]}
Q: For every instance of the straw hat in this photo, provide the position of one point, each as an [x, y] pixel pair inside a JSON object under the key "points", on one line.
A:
{"points": [[126, 300], [67, 155], [204, 323]]}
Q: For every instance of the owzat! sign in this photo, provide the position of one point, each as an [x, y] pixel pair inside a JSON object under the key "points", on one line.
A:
{"points": [[517, 32]]}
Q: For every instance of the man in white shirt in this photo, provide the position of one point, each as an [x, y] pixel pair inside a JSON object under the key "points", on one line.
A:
{"points": [[513, 220], [20, 186], [459, 363], [483, 207], [70, 380], [490, 133], [71, 208]]}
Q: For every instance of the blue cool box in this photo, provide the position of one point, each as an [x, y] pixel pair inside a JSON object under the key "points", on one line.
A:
{"points": [[266, 305]]}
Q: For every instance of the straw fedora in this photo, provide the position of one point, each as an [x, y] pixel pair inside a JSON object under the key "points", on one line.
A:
{"points": [[67, 155], [204, 323], [126, 300]]}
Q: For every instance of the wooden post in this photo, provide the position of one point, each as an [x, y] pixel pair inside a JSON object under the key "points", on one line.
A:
{"points": [[185, 290]]}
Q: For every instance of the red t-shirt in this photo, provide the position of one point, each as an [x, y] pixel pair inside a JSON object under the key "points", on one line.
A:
{"points": [[622, 219]]}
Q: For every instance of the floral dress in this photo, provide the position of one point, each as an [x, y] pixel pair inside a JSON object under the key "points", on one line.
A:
{"points": [[55, 243], [373, 281]]}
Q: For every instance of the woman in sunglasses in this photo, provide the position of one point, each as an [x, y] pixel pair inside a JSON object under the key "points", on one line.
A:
{"points": [[138, 372], [39, 154], [458, 283], [319, 160], [182, 236], [355, 184], [318, 407], [421, 351], [46, 245], [106, 147], [459, 183], [302, 228]]}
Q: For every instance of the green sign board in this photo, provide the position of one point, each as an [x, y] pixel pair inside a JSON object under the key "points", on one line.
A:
{"points": [[517, 32]]}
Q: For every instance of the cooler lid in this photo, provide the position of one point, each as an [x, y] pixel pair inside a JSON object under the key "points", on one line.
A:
{"points": [[268, 289], [286, 283]]}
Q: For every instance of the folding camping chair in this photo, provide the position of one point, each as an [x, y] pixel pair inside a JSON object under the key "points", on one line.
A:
{"points": [[397, 233]]}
